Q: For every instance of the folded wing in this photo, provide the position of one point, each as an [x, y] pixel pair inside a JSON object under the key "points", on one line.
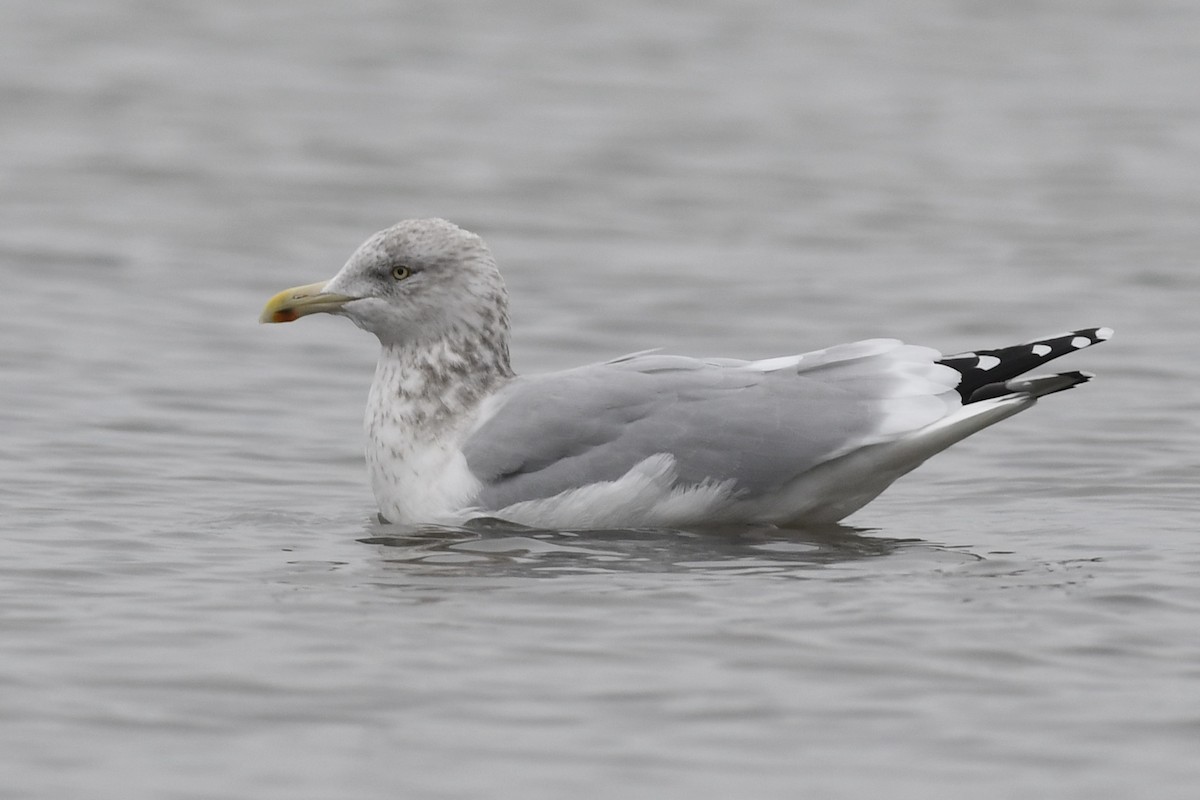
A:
{"points": [[755, 426]]}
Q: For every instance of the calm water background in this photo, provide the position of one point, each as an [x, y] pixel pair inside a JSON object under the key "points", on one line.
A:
{"points": [[195, 601]]}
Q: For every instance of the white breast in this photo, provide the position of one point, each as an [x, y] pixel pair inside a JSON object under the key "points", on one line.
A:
{"points": [[417, 481], [414, 456]]}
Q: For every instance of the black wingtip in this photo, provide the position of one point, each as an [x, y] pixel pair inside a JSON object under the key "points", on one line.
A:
{"points": [[1037, 385], [988, 373]]}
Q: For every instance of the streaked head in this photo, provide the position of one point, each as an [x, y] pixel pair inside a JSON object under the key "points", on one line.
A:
{"points": [[419, 280]]}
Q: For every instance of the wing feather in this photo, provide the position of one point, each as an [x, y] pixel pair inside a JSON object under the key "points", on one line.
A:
{"points": [[720, 420]]}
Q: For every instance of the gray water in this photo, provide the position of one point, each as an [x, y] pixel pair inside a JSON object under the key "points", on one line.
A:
{"points": [[195, 599]]}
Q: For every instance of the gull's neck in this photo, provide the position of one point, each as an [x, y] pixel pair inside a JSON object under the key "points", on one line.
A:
{"points": [[429, 386], [422, 403]]}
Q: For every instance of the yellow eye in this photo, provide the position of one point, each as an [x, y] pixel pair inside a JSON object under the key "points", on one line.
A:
{"points": [[401, 272]]}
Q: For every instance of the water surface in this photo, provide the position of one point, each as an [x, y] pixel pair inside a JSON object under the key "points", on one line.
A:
{"points": [[197, 601]]}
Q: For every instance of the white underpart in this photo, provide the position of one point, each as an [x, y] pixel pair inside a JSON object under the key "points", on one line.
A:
{"points": [[416, 473], [426, 482]]}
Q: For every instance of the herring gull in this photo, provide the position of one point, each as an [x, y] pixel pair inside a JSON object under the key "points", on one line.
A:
{"points": [[646, 440]]}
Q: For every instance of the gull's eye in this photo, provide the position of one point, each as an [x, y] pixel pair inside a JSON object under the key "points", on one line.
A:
{"points": [[400, 272]]}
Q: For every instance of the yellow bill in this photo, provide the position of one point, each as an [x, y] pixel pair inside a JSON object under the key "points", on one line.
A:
{"points": [[291, 304]]}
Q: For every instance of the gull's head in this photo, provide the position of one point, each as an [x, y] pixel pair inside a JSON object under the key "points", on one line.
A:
{"points": [[421, 279]]}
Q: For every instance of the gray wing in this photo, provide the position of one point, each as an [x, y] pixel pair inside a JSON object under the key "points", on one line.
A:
{"points": [[760, 424]]}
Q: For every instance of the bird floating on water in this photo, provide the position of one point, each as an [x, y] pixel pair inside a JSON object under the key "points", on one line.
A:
{"points": [[645, 440]]}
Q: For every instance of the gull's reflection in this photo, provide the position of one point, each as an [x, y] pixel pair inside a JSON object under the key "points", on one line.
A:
{"points": [[495, 548]]}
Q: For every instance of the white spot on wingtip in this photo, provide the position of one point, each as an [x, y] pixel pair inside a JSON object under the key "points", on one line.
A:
{"points": [[1104, 334], [988, 362], [1042, 349], [1080, 342]]}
